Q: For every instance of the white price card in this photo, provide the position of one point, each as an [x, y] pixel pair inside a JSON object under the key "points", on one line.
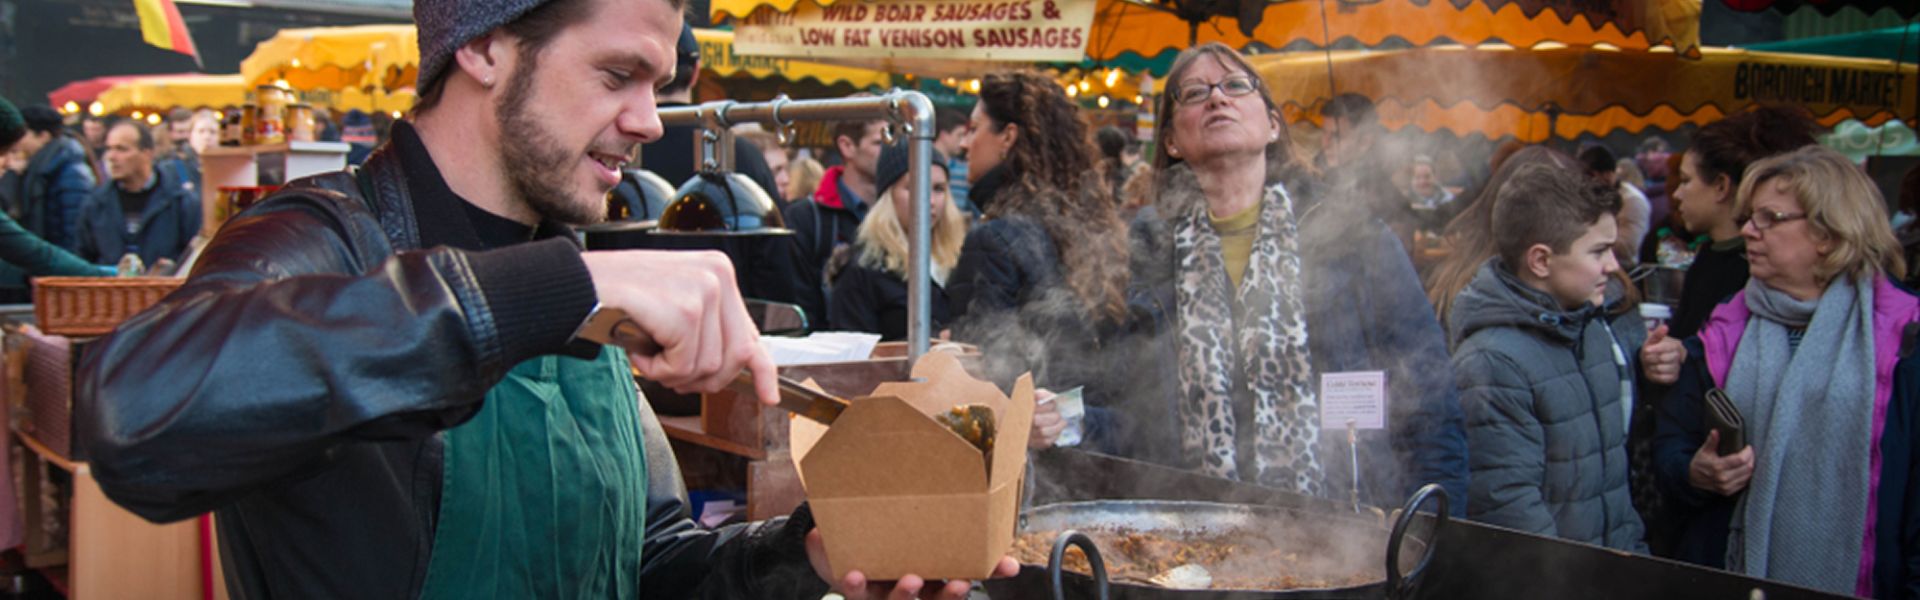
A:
{"points": [[1356, 396]]}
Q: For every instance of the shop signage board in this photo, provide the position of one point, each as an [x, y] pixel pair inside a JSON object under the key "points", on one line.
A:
{"points": [[998, 30]]}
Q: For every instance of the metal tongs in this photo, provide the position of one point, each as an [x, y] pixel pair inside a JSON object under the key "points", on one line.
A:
{"points": [[612, 326]]}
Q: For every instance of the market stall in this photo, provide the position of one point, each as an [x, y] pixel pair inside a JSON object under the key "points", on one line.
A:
{"points": [[954, 37], [1549, 92]]}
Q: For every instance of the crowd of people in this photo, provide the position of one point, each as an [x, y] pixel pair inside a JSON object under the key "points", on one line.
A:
{"points": [[1194, 302], [1193, 290]]}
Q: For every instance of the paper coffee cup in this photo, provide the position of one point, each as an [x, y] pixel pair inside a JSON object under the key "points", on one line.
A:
{"points": [[1655, 314]]}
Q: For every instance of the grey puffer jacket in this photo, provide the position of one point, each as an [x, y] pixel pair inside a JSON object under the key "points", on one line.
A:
{"points": [[1546, 431]]}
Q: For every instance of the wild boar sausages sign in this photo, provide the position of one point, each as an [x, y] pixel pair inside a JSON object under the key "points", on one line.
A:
{"points": [[1010, 30]]}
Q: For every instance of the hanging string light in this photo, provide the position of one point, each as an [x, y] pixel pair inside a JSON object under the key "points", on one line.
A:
{"points": [[1103, 101], [1113, 77]]}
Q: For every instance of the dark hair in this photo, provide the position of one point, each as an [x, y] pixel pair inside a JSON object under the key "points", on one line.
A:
{"points": [[1355, 108], [1112, 141], [1056, 184], [535, 30], [1726, 147], [945, 119], [1543, 204], [1472, 233], [686, 61], [146, 135], [853, 130], [1597, 159], [41, 118]]}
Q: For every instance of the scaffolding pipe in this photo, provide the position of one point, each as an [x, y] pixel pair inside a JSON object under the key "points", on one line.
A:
{"points": [[911, 110]]}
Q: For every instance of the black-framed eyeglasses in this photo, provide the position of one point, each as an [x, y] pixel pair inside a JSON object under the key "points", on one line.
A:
{"points": [[1196, 92], [1763, 220]]}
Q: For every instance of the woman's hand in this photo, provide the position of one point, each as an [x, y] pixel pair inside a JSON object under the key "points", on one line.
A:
{"points": [[856, 587], [1661, 356], [1723, 475], [1047, 422]]}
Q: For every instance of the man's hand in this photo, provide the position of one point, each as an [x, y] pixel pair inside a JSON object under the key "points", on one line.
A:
{"points": [[688, 304], [1661, 356], [856, 587], [1723, 475], [1047, 422]]}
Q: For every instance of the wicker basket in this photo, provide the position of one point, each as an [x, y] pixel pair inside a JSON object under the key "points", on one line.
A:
{"points": [[88, 306]]}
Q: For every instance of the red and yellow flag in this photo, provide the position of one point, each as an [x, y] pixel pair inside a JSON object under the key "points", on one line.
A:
{"points": [[161, 26]]}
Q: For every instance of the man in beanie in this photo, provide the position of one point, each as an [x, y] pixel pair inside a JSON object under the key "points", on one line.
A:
{"points": [[374, 378], [57, 181]]}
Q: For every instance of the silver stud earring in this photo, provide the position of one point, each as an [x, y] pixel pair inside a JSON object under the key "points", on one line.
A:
{"points": [[488, 81]]}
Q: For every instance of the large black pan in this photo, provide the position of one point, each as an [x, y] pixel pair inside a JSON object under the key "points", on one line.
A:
{"points": [[1339, 543]]}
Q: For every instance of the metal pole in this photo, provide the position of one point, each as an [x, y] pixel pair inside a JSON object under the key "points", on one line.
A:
{"points": [[721, 128], [909, 108], [919, 117]]}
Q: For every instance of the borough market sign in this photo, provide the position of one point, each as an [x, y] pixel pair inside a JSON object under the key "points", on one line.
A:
{"points": [[1007, 30]]}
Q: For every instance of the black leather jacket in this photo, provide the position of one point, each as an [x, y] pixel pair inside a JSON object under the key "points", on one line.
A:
{"points": [[297, 383]]}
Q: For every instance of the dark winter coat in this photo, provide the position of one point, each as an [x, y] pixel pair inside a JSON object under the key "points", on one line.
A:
{"points": [[874, 300], [167, 224], [1541, 387], [58, 181], [1009, 295]]}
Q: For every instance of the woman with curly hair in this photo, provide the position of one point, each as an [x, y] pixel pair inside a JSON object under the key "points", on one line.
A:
{"points": [[1258, 303], [1041, 285]]}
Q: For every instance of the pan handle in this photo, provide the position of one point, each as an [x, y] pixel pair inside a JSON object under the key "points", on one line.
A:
{"points": [[1399, 586], [1056, 563]]}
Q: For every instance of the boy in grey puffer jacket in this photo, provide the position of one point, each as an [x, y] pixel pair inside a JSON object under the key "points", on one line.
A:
{"points": [[1545, 359]]}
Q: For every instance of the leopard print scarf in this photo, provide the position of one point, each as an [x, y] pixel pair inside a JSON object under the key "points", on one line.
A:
{"points": [[1271, 350]]}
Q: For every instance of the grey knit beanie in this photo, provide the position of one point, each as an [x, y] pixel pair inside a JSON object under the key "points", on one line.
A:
{"points": [[12, 127], [894, 164], [445, 25]]}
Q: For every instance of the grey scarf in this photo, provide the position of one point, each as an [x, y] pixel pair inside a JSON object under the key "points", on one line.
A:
{"points": [[1254, 340], [1809, 417]]}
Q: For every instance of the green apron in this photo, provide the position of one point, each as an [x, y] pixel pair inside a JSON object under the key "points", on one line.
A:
{"points": [[545, 490]]}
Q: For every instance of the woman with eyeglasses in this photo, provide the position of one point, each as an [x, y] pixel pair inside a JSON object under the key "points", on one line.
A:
{"points": [[1710, 173], [1816, 356], [1246, 306]]}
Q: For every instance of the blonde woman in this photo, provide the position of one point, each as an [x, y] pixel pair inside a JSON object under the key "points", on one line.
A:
{"points": [[870, 291], [1822, 494], [803, 177]]}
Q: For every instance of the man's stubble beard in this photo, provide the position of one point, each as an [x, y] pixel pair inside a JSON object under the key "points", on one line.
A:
{"points": [[538, 170]]}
